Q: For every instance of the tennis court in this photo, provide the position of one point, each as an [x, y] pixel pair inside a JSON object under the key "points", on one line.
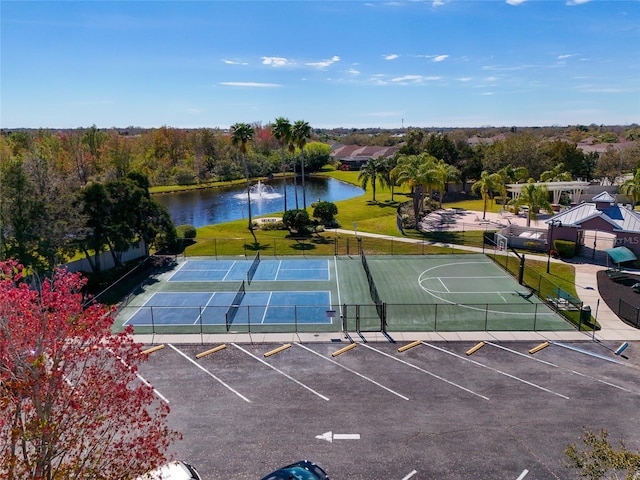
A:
{"points": [[328, 294]]}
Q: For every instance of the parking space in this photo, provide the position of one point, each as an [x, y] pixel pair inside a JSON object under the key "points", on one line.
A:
{"points": [[372, 412]]}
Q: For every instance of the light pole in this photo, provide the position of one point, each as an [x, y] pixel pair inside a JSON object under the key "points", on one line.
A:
{"points": [[550, 241]]}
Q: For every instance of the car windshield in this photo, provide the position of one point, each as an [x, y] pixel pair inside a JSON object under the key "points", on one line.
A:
{"points": [[293, 473]]}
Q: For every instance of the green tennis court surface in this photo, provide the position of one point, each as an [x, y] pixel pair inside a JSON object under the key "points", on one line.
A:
{"points": [[329, 294]]}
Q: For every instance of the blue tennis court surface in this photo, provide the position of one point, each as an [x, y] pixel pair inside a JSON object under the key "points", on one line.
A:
{"points": [[207, 308], [267, 270]]}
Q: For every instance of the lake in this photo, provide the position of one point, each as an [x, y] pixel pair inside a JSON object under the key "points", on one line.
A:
{"points": [[219, 205]]}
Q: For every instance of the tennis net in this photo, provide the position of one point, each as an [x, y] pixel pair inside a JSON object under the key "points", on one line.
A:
{"points": [[252, 269], [235, 305], [375, 296]]}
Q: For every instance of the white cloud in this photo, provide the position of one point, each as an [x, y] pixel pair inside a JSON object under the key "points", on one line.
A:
{"points": [[408, 78], [324, 63], [277, 61], [573, 3], [440, 58], [393, 56], [515, 2], [414, 79], [234, 62], [465, 79], [250, 84], [353, 71]]}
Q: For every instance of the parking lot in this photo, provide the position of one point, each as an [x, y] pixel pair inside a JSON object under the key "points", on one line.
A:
{"points": [[430, 412]]}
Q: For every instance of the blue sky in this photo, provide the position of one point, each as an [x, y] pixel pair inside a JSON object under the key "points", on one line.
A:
{"points": [[331, 63]]}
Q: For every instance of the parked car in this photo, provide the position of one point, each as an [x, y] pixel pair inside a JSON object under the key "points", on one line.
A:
{"points": [[302, 470], [172, 471], [636, 287]]}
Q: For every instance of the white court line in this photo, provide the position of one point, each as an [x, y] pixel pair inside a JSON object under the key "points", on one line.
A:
{"points": [[224, 279], [445, 287], [221, 382], [523, 474], [563, 368], [280, 372], [275, 277], [179, 268], [426, 371], [354, 372], [497, 371], [266, 308], [409, 475]]}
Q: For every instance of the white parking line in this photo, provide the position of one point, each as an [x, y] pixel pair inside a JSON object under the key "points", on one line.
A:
{"points": [[280, 372], [523, 474], [409, 475], [221, 382], [354, 372], [497, 371], [426, 371], [140, 377], [563, 368]]}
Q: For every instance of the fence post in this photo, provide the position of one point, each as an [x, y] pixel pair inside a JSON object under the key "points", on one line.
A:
{"points": [[275, 243], [435, 318], [344, 318], [486, 316]]}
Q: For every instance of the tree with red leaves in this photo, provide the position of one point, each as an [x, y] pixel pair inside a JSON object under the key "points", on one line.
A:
{"points": [[71, 402]]}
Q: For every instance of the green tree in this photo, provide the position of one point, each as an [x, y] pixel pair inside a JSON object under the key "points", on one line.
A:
{"points": [[282, 133], [556, 174], [297, 220], [300, 133], [508, 175], [486, 185], [631, 188], [609, 164], [21, 214], [371, 172], [325, 212], [317, 155], [536, 196], [600, 460], [445, 173], [93, 203], [241, 133]]}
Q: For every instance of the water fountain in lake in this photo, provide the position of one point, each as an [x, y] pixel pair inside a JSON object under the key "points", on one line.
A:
{"points": [[259, 191]]}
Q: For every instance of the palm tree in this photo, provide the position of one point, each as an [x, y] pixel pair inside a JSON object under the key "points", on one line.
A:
{"points": [[370, 172], [282, 132], [508, 175], [556, 174], [487, 184], [241, 133], [419, 172], [536, 196], [631, 187], [445, 173], [300, 132]]}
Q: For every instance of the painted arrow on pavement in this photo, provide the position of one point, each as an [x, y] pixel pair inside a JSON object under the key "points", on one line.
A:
{"points": [[330, 436]]}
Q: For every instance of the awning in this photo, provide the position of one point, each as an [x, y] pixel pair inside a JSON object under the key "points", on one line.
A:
{"points": [[621, 254]]}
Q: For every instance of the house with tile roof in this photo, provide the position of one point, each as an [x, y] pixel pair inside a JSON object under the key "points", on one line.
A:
{"points": [[352, 157]]}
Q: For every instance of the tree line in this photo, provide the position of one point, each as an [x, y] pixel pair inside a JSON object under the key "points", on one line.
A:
{"points": [[87, 190]]}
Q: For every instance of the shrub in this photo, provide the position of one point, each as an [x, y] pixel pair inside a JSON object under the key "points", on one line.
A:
{"points": [[565, 248], [186, 231]]}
